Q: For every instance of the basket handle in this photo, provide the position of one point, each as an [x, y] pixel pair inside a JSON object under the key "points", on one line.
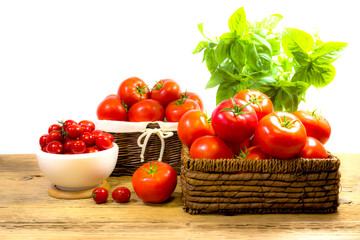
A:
{"points": [[147, 134]]}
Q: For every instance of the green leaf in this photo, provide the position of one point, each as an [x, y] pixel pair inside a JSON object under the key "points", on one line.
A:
{"points": [[227, 90], [271, 22], [201, 46], [259, 54], [275, 42], [237, 22], [221, 52], [215, 79], [302, 58], [261, 81], [327, 52], [228, 37], [295, 40], [238, 53], [318, 76], [211, 63]]}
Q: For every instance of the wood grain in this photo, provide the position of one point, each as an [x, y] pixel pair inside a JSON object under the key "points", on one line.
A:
{"points": [[28, 212]]}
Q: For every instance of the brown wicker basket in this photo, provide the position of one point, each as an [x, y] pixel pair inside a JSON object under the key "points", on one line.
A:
{"points": [[129, 159], [233, 186]]}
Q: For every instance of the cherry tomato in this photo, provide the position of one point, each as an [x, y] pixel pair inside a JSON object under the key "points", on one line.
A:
{"points": [[210, 147], [253, 153], [55, 147], [165, 91], [100, 195], [92, 149], [281, 135], [148, 110], [112, 109], [176, 109], [234, 120], [133, 90], [67, 145], [316, 125], [313, 149], [154, 182], [74, 131], [88, 123], [103, 142], [195, 97], [121, 194], [192, 125], [77, 147], [42, 140], [108, 135], [56, 127], [67, 123], [259, 101], [54, 136], [97, 133], [88, 139]]}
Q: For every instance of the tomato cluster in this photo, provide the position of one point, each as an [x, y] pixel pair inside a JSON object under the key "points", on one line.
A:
{"points": [[246, 126], [70, 137], [136, 102]]}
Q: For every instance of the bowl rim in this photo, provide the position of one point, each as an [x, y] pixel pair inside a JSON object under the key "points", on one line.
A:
{"points": [[43, 154]]}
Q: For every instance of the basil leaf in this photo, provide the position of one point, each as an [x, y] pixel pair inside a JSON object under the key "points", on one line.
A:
{"points": [[215, 79], [288, 95], [238, 53], [302, 58], [318, 76], [261, 81], [259, 54], [295, 40], [275, 42], [271, 22], [221, 52], [201, 46], [228, 37], [237, 22], [211, 63], [227, 90], [327, 52]]}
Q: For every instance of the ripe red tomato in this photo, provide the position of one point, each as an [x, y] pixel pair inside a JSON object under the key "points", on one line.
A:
{"points": [[176, 109], [313, 149], [210, 147], [92, 149], [103, 142], [133, 90], [112, 109], [316, 125], [54, 136], [77, 147], [88, 139], [56, 127], [281, 135], [259, 101], [154, 182], [42, 140], [238, 147], [67, 123], [97, 132], [253, 153], [121, 194], [55, 147], [165, 91], [234, 120], [195, 97], [192, 125], [68, 143], [148, 110], [88, 123], [100, 195], [74, 131]]}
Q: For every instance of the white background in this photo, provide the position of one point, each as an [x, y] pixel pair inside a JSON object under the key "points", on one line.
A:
{"points": [[59, 59]]}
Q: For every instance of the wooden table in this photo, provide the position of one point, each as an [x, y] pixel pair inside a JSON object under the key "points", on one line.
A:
{"points": [[28, 212]]}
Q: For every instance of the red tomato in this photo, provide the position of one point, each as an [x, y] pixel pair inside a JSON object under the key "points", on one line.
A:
{"points": [[313, 149], [253, 153], [103, 142], [281, 135], [192, 125], [67, 123], [97, 133], [121, 194], [316, 126], [55, 147], [100, 195], [165, 91], [176, 109], [74, 131], [259, 101], [88, 123], [237, 147], [133, 90], [42, 140], [210, 147], [148, 110], [154, 182], [68, 143], [88, 139], [234, 120], [91, 150], [112, 109], [56, 127], [77, 147], [195, 97], [54, 136]]}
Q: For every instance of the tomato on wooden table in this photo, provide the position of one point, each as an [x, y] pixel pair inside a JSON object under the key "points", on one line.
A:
{"points": [[192, 125], [176, 109], [281, 135], [112, 109], [100, 195], [148, 110], [210, 147], [259, 101], [154, 182], [133, 90], [165, 91], [313, 149], [234, 120], [121, 194], [316, 125]]}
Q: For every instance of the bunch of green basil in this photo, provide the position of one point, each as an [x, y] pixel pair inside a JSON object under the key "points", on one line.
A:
{"points": [[281, 65]]}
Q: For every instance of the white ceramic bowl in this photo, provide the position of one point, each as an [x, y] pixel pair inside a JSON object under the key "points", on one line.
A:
{"points": [[78, 171]]}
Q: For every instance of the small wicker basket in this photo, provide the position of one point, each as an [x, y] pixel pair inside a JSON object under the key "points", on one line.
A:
{"points": [[143, 142], [233, 186]]}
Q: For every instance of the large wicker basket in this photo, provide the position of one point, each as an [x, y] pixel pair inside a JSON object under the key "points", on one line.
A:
{"points": [[143, 142], [260, 186]]}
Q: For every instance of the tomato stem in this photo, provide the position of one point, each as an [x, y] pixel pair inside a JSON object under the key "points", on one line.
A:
{"points": [[242, 154], [140, 90], [256, 100], [237, 110], [152, 169], [159, 85], [286, 123]]}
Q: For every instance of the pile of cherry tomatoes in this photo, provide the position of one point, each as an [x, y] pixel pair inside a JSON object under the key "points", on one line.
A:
{"points": [[136, 102], [246, 126], [70, 137]]}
